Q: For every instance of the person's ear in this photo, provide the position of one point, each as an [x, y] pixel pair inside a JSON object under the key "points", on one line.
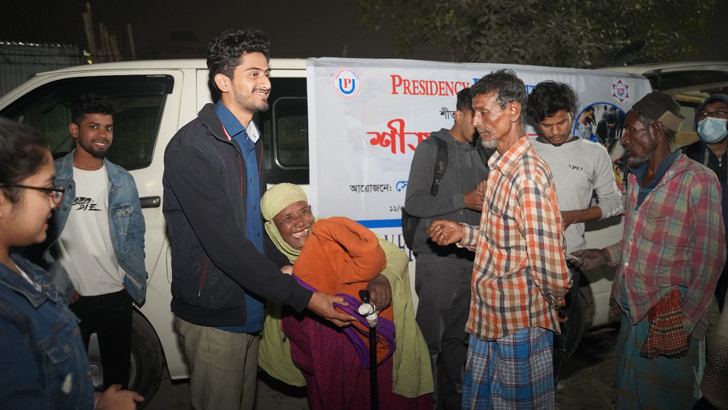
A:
{"points": [[458, 115], [3, 202], [73, 129], [514, 109], [657, 130], [223, 82]]}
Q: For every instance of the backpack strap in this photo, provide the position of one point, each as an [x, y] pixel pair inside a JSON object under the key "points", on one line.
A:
{"points": [[440, 165]]}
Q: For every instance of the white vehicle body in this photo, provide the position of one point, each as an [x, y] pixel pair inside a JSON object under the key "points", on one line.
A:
{"points": [[155, 99]]}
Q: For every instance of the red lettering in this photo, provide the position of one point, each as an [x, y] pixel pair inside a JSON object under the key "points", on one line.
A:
{"points": [[407, 87], [394, 137], [396, 82], [450, 89], [422, 87]]}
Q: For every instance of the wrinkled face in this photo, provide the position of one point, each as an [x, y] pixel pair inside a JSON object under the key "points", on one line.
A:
{"points": [[556, 129], [250, 83], [489, 119], [638, 140], [25, 222], [294, 223], [95, 134]]}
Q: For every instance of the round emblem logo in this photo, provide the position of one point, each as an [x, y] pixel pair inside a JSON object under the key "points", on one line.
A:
{"points": [[347, 83]]}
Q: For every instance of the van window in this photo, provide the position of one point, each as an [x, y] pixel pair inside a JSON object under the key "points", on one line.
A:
{"points": [[285, 132], [290, 123], [139, 101]]}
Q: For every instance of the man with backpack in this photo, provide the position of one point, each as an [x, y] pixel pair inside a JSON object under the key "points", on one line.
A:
{"points": [[446, 181]]}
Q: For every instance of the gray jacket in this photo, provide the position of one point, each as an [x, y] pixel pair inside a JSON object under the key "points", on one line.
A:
{"points": [[465, 169]]}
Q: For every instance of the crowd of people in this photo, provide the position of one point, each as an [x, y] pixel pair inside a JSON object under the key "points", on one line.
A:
{"points": [[257, 280]]}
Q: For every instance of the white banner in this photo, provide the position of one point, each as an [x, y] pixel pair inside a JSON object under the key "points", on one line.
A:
{"points": [[367, 116]]}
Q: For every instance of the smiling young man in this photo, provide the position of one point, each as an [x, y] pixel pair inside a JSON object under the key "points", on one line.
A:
{"points": [[223, 266], [98, 234], [580, 168]]}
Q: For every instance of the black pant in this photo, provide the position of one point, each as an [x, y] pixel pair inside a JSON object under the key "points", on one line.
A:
{"points": [[443, 287], [110, 317], [560, 340]]}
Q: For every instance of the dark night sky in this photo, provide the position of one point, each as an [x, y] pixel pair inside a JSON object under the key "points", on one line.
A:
{"points": [[330, 26]]}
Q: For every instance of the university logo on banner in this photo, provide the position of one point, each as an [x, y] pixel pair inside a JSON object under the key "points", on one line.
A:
{"points": [[620, 91], [347, 83]]}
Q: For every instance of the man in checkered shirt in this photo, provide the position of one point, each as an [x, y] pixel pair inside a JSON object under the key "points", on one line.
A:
{"points": [[520, 275]]}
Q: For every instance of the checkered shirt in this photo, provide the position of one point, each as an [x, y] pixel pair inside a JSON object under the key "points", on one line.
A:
{"points": [[520, 273], [675, 238]]}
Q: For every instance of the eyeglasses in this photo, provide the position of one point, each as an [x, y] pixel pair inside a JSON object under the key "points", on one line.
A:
{"points": [[714, 114], [55, 192]]}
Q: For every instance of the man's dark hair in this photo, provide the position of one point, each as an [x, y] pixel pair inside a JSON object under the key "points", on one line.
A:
{"points": [[465, 100], [225, 51], [89, 104], [548, 98], [508, 86], [23, 150]]}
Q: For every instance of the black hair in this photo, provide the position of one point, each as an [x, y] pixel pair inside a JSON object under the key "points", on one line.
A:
{"points": [[509, 87], [465, 100], [225, 52], [89, 104], [548, 98], [23, 151]]}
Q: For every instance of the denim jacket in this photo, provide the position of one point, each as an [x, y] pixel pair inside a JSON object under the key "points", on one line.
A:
{"points": [[126, 222], [43, 360]]}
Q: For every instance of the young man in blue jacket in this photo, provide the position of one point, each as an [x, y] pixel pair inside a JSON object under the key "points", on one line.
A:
{"points": [[98, 234], [223, 265]]}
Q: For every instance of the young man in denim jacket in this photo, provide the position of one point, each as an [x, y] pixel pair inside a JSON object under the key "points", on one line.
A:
{"points": [[98, 234]]}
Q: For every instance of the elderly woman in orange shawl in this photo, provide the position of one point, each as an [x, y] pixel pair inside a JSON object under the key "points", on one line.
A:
{"points": [[342, 256]]}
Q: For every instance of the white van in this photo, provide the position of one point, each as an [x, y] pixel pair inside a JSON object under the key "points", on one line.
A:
{"points": [[156, 98]]}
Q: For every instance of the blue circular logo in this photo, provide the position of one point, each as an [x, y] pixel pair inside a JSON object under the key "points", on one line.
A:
{"points": [[347, 83]]}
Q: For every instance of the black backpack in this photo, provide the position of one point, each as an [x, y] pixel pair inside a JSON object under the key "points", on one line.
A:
{"points": [[409, 222]]}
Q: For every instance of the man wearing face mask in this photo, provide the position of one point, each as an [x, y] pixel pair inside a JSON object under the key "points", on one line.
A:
{"points": [[710, 150]]}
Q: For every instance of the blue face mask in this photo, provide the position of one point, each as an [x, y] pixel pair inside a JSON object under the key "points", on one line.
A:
{"points": [[712, 130]]}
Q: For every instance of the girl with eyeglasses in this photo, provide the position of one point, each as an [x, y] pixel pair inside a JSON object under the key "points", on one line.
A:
{"points": [[43, 362]]}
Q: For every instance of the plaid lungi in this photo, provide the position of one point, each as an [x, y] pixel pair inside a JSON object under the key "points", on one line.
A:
{"points": [[659, 383], [513, 372]]}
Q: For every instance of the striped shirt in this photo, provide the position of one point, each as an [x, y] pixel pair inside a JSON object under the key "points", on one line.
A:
{"points": [[520, 273], [674, 238]]}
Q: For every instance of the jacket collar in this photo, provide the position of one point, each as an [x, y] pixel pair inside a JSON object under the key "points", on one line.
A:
{"points": [[15, 282], [66, 168], [209, 119]]}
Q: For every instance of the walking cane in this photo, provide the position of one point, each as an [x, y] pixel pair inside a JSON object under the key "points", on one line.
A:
{"points": [[368, 310]]}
